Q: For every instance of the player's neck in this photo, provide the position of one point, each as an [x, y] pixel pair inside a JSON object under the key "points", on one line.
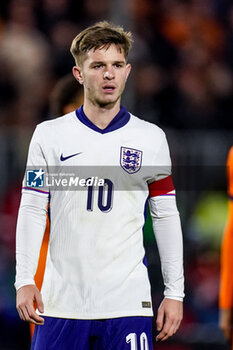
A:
{"points": [[101, 116]]}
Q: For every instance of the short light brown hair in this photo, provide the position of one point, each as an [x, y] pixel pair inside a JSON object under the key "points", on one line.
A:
{"points": [[101, 34]]}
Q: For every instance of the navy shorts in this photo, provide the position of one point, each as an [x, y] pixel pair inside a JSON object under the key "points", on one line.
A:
{"points": [[125, 333]]}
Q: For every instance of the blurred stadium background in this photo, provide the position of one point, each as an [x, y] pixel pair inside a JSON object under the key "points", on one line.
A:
{"points": [[182, 80]]}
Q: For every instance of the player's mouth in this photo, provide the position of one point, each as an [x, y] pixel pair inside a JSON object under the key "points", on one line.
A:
{"points": [[109, 88]]}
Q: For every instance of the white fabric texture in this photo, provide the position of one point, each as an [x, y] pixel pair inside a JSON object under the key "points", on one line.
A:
{"points": [[168, 234], [30, 228]]}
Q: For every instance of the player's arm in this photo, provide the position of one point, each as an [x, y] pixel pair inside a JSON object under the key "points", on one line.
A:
{"points": [[226, 279], [29, 234], [168, 234], [167, 229]]}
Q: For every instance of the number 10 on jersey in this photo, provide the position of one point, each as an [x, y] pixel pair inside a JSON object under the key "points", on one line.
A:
{"points": [[105, 196]]}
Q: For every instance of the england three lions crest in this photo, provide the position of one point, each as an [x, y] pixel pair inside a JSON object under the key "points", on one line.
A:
{"points": [[131, 159]]}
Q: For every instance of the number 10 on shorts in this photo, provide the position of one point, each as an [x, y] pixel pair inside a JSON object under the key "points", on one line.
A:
{"points": [[132, 340]]}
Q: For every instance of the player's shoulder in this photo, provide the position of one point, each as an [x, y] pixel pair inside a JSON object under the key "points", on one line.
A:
{"points": [[59, 122], [146, 127]]}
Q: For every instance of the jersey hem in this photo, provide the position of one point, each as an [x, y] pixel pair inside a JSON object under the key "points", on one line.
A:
{"points": [[97, 316]]}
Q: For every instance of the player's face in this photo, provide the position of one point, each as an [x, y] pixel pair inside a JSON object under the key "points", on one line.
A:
{"points": [[103, 74]]}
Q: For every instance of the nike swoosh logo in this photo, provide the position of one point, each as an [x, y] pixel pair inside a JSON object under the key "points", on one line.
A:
{"points": [[72, 155]]}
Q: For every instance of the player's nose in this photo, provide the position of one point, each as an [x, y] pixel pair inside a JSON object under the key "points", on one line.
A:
{"points": [[108, 74]]}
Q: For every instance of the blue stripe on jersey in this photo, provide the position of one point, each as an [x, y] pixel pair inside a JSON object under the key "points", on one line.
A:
{"points": [[118, 121], [49, 212], [169, 194], [35, 189]]}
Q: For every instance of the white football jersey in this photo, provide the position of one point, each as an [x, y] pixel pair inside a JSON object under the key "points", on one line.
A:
{"points": [[95, 265]]}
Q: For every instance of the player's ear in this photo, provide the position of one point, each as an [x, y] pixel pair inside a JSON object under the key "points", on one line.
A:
{"points": [[78, 74]]}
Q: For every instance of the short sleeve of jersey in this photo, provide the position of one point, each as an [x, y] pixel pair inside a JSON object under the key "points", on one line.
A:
{"points": [[161, 183], [36, 168]]}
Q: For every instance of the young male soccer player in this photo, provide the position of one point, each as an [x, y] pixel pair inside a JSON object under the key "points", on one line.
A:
{"points": [[226, 278], [96, 292]]}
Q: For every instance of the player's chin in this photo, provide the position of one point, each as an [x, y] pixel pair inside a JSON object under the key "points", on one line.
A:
{"points": [[110, 100]]}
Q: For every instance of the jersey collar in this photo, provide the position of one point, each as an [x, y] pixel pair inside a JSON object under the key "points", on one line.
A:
{"points": [[117, 122]]}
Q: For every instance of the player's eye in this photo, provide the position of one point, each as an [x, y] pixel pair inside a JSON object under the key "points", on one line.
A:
{"points": [[118, 65], [97, 66]]}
